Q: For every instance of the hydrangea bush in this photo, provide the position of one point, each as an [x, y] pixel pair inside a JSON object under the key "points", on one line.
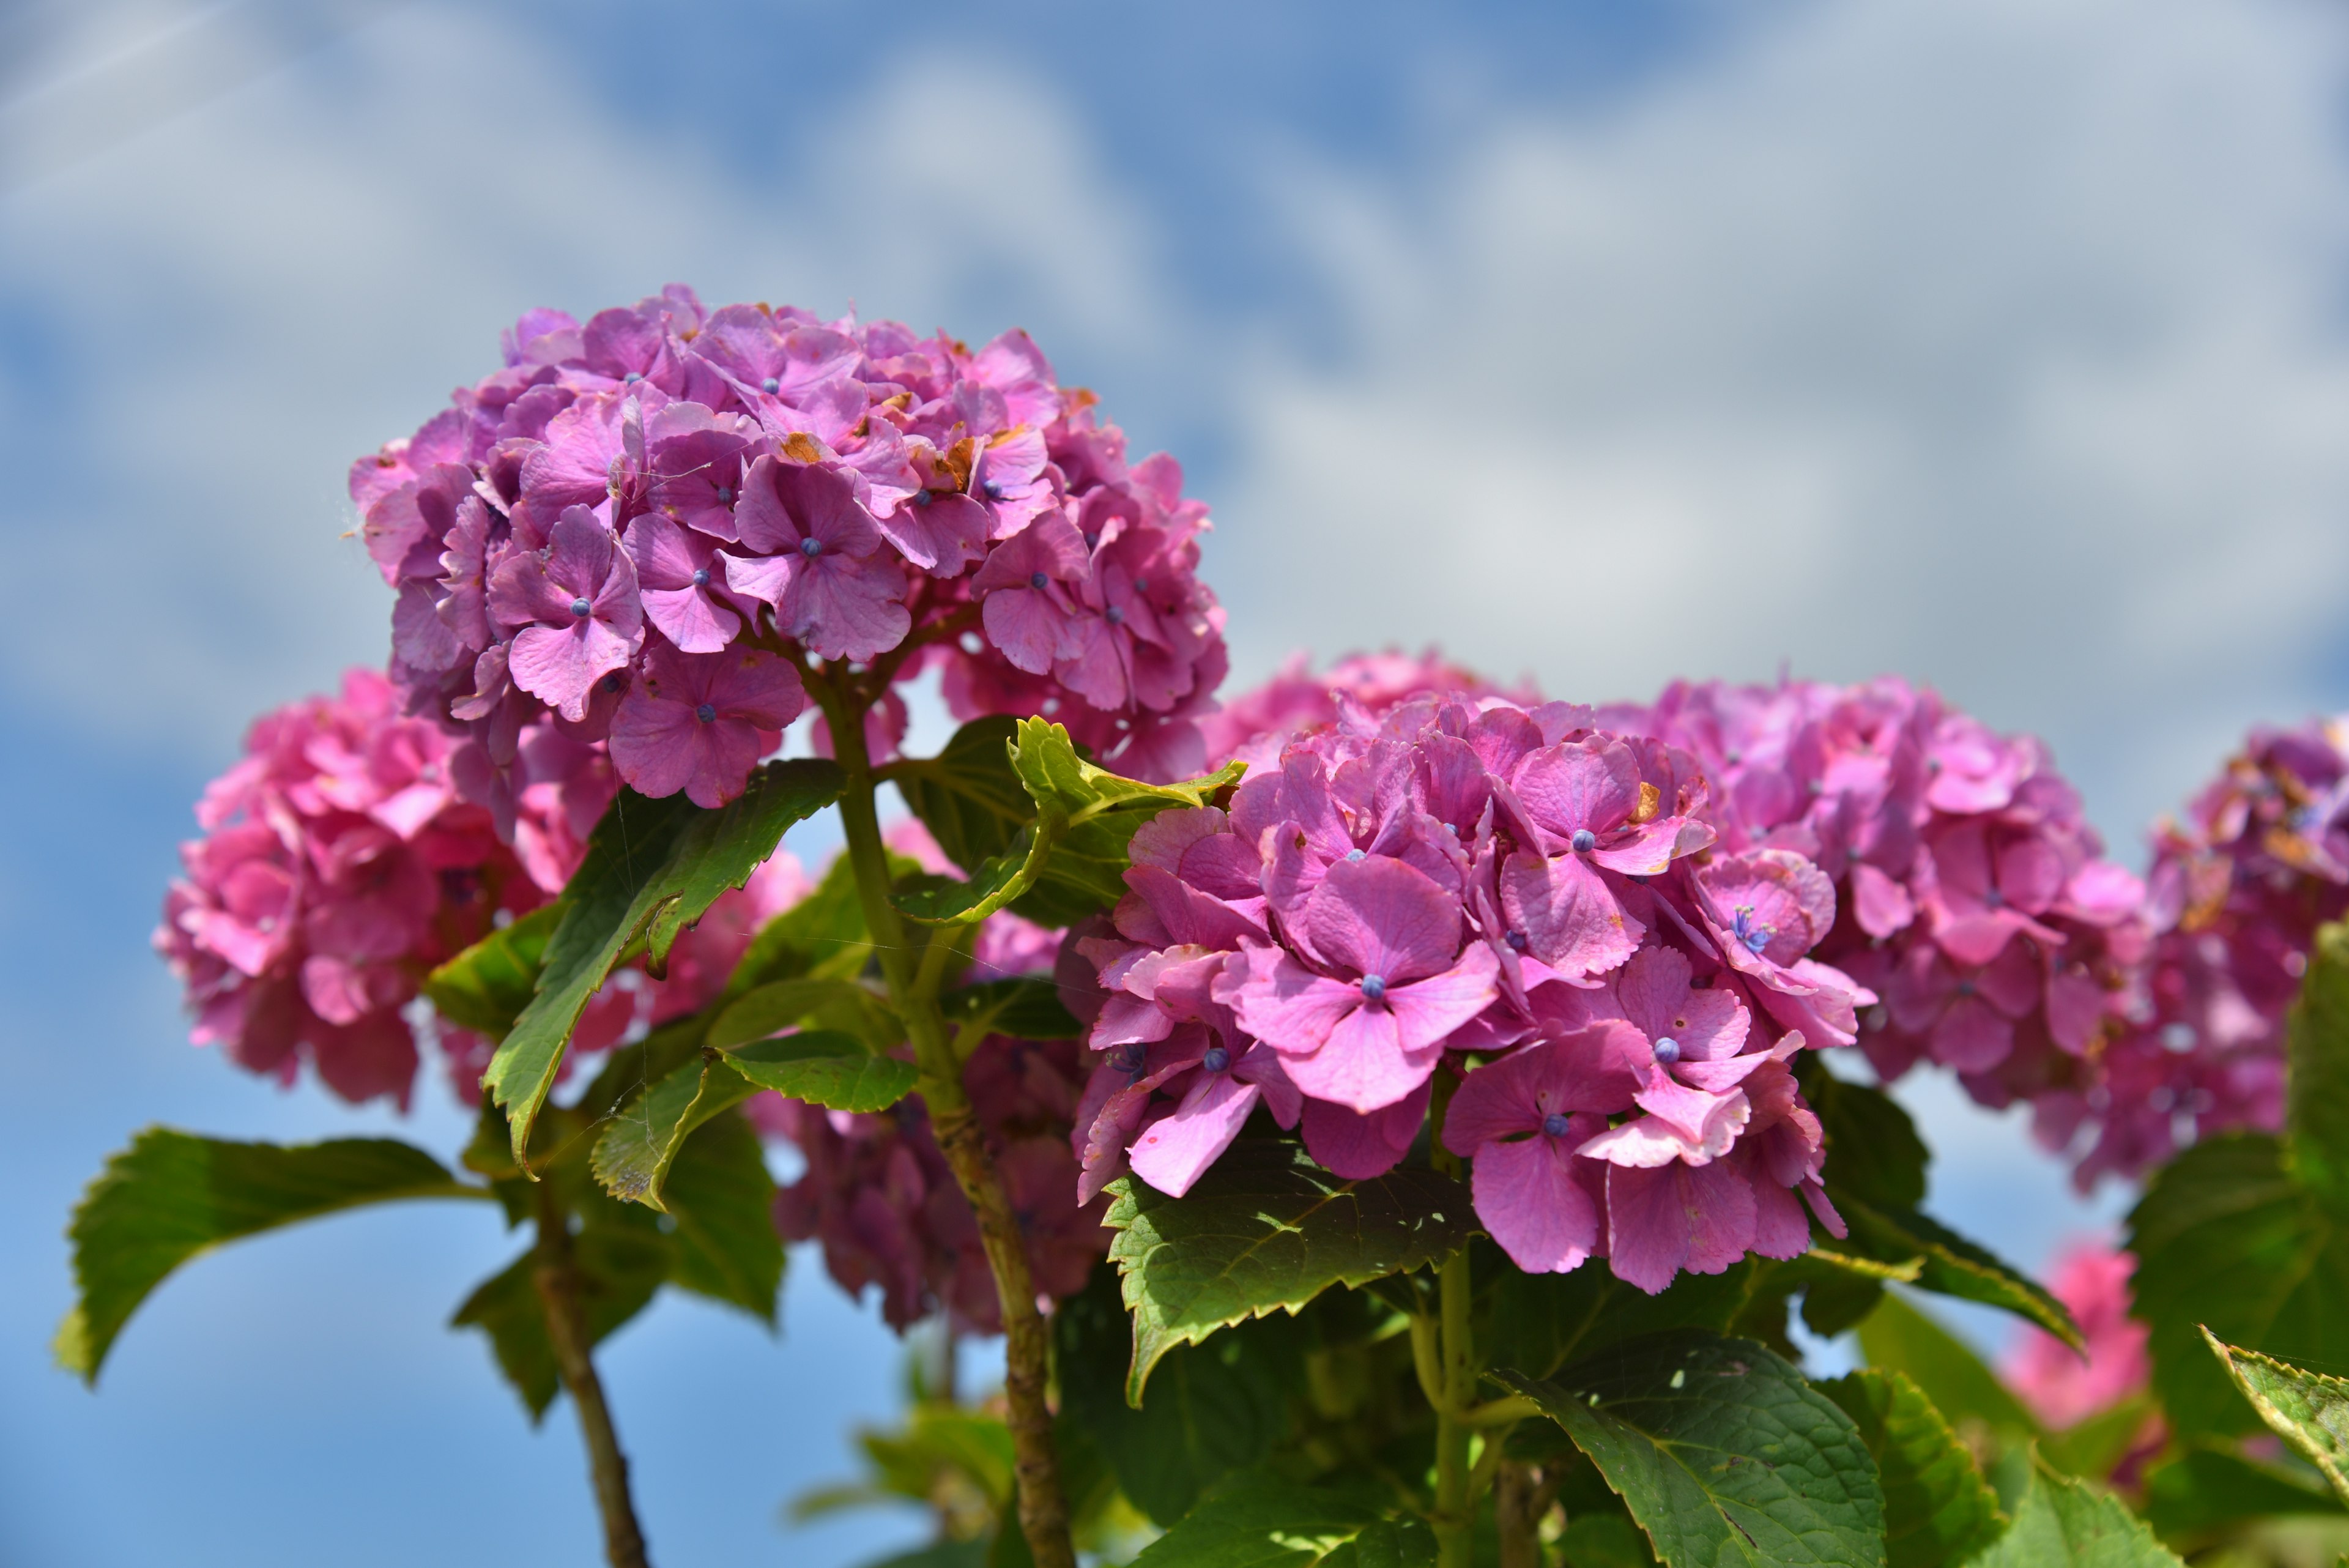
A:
{"points": [[1389, 1115]]}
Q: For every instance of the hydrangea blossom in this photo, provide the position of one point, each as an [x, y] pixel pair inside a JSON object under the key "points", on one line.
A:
{"points": [[2060, 1386], [1960, 879], [641, 528], [1515, 891], [1255, 724], [2237, 890], [338, 864]]}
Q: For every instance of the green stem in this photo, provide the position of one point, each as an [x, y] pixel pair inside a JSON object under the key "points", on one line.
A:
{"points": [[556, 1276], [1456, 1489], [913, 991]]}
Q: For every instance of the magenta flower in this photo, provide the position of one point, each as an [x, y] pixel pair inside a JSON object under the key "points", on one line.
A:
{"points": [[2060, 1387], [1521, 1120], [698, 721], [820, 562], [677, 574], [1370, 1032], [1026, 604], [577, 610]]}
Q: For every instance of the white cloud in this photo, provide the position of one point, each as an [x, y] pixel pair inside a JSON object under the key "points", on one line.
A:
{"points": [[1995, 344], [276, 281]]}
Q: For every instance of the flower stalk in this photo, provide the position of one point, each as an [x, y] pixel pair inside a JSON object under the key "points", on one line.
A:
{"points": [[556, 1275], [913, 983]]}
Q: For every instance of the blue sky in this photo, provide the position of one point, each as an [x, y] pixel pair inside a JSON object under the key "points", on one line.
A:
{"points": [[1997, 344]]}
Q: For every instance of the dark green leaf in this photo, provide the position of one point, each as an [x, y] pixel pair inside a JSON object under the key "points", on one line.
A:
{"points": [[1938, 1508], [1541, 1321], [2306, 1410], [723, 1200], [968, 795], [2317, 1130], [1873, 1152], [652, 868], [619, 1267], [172, 1194], [1897, 1337], [2224, 1236], [819, 1001], [1951, 1265], [1025, 1007], [1261, 1522], [1212, 1409], [2063, 1523], [632, 1157], [824, 933], [2205, 1489], [1265, 1229], [1721, 1451], [828, 1070], [486, 987], [2093, 1446]]}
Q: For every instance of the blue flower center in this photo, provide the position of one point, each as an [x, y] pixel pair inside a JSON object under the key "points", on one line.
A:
{"points": [[725, 495], [1518, 941], [1555, 1124], [1217, 1059], [1037, 579], [1992, 899], [631, 378], [992, 490], [1668, 1050], [1115, 616], [811, 546], [1754, 937], [580, 607], [1965, 987], [771, 386], [1374, 987], [613, 682], [702, 577], [705, 712], [921, 498], [1130, 1059], [1585, 841], [1092, 539], [1353, 855]]}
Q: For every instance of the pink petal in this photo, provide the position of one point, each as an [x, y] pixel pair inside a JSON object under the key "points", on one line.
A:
{"points": [[1176, 1149], [1662, 1220], [1289, 1007], [1356, 1147], [1363, 1064], [1531, 1202], [1592, 783], [1571, 919], [1429, 1011]]}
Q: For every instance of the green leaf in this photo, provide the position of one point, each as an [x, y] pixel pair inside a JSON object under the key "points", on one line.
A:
{"points": [[486, 987], [2204, 1492], [968, 795], [1026, 1007], [632, 1157], [1951, 1265], [1938, 1508], [722, 1199], [619, 1267], [812, 1000], [1721, 1450], [2095, 1445], [1540, 1321], [1873, 1152], [652, 868], [993, 885], [2225, 1237], [1095, 813], [2316, 1136], [1212, 1409], [828, 1070], [1266, 1227], [1897, 1337], [2307, 1409], [171, 1194], [824, 933], [1262, 1523], [2063, 1523]]}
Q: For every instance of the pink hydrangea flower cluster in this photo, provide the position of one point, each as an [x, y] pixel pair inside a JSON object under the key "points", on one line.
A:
{"points": [[1974, 898], [1254, 725], [639, 529], [338, 864], [2057, 1384], [878, 1194], [2237, 892], [1520, 892]]}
